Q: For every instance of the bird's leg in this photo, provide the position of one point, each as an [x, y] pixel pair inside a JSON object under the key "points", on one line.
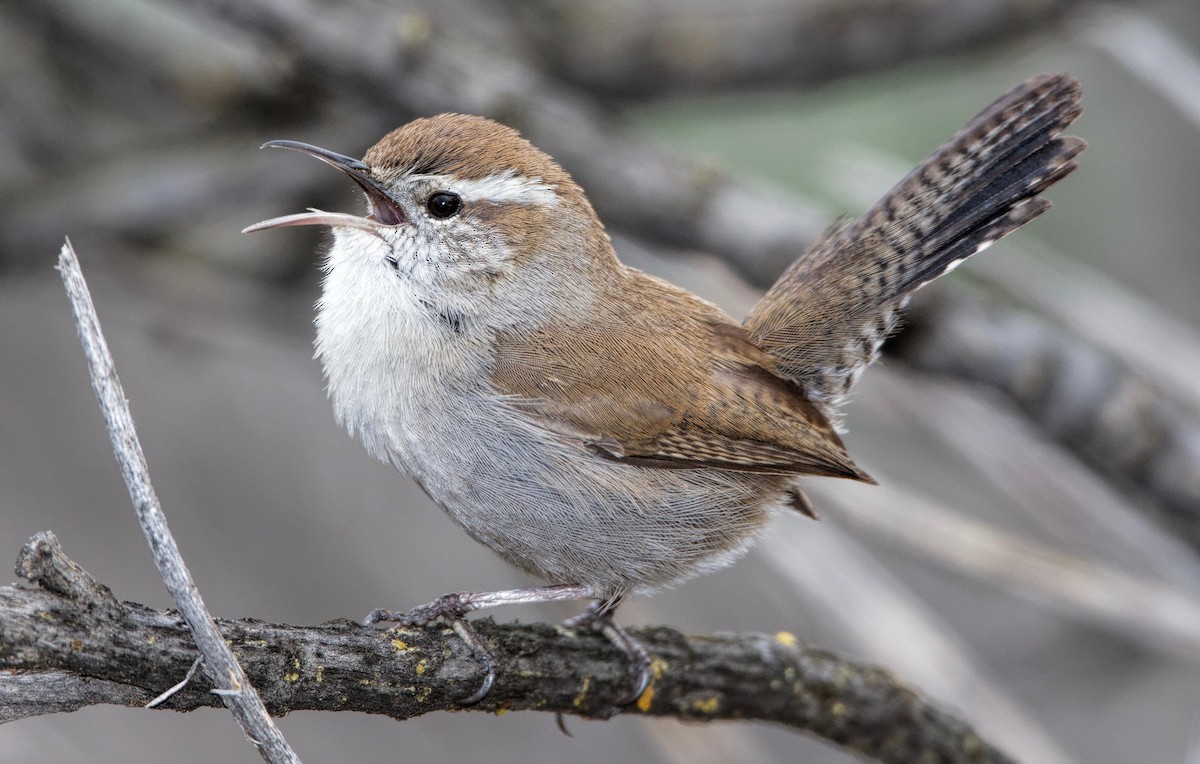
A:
{"points": [[453, 608], [599, 616]]}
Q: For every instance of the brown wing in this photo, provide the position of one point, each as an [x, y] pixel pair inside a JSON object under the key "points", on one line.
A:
{"points": [[677, 386]]}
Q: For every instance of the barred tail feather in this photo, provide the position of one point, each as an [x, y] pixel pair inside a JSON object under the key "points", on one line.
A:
{"points": [[826, 317]]}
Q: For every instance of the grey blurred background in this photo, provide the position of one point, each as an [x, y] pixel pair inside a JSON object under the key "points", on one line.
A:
{"points": [[1049, 593]]}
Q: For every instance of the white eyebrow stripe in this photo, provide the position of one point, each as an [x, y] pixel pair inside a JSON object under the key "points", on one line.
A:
{"points": [[506, 187]]}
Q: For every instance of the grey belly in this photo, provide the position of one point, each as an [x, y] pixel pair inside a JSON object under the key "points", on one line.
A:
{"points": [[554, 509]]}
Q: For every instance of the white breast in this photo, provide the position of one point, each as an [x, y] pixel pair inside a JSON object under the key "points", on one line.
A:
{"points": [[390, 358]]}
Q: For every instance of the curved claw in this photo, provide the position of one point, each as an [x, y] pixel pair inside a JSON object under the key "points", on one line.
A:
{"points": [[645, 676], [468, 635], [562, 723], [483, 690], [599, 616]]}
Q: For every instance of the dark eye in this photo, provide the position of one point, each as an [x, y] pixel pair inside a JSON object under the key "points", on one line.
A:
{"points": [[444, 204]]}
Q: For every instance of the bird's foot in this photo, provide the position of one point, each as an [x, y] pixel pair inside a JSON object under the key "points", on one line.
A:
{"points": [[448, 609], [598, 616], [452, 609]]}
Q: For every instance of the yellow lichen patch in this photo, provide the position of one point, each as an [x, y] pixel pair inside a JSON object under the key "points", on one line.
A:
{"points": [[707, 706], [500, 711], [291, 676], [366, 682], [320, 674], [400, 646], [421, 694], [420, 667], [786, 638], [255, 643], [152, 640], [403, 631], [646, 698], [658, 667], [583, 691]]}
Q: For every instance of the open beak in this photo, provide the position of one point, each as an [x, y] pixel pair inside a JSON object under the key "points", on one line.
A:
{"points": [[383, 211]]}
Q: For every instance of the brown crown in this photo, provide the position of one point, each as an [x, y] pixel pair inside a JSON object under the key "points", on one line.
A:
{"points": [[466, 146]]}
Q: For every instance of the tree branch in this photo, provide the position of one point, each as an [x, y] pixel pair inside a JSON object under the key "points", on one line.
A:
{"points": [[73, 637], [220, 665]]}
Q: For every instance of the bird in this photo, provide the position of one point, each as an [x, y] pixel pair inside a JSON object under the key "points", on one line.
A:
{"points": [[597, 427]]}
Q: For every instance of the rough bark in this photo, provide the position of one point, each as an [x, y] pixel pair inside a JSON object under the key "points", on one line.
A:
{"points": [[70, 643]]}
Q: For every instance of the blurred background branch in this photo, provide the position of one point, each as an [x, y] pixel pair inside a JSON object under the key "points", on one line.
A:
{"points": [[1030, 558], [686, 47]]}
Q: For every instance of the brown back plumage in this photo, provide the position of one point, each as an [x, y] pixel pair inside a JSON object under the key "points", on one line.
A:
{"points": [[825, 318], [660, 378]]}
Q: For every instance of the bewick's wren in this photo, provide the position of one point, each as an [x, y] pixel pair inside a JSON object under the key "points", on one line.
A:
{"points": [[598, 427]]}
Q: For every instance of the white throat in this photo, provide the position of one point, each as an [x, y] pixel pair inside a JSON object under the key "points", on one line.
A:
{"points": [[391, 340]]}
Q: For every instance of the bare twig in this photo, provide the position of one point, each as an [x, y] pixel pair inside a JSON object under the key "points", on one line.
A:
{"points": [[166, 694], [59, 634], [220, 665]]}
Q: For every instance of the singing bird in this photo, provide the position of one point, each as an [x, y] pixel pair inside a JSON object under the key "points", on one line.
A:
{"points": [[595, 426]]}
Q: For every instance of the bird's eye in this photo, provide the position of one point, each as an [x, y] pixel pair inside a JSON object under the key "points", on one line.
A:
{"points": [[444, 204]]}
